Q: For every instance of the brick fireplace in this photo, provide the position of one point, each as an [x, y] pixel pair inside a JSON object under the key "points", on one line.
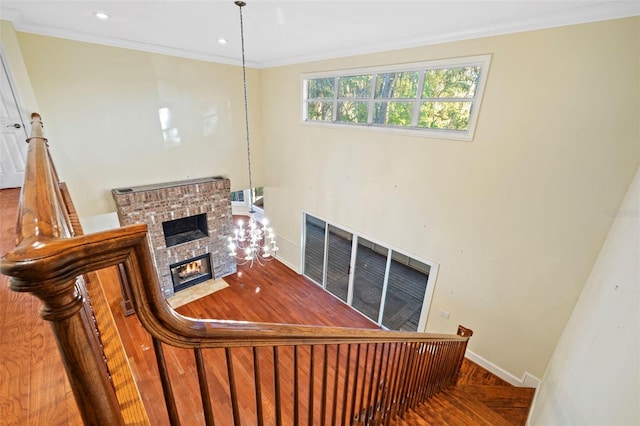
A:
{"points": [[189, 222]]}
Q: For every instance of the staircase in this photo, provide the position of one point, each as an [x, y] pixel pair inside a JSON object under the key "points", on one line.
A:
{"points": [[479, 398]]}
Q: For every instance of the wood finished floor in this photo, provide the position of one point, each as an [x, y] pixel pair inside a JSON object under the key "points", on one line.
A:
{"points": [[34, 389]]}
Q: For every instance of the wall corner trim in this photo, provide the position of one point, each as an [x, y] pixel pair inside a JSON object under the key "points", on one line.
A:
{"points": [[527, 380]]}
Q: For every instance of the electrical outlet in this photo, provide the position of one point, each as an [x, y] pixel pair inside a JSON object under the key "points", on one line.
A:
{"points": [[443, 313]]}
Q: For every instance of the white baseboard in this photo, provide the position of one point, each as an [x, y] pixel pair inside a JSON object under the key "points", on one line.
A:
{"points": [[527, 380], [288, 265]]}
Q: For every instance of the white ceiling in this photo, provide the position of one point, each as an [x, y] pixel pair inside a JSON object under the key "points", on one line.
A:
{"points": [[285, 32]]}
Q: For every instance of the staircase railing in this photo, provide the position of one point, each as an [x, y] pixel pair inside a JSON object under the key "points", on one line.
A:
{"points": [[275, 373]]}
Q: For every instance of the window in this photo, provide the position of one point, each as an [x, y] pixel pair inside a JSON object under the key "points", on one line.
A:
{"points": [[241, 199], [438, 98], [237, 197]]}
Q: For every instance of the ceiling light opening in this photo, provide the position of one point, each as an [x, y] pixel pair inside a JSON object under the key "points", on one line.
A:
{"points": [[101, 15]]}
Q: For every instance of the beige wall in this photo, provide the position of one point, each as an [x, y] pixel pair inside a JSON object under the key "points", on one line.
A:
{"points": [[515, 218], [601, 342], [11, 48], [101, 107]]}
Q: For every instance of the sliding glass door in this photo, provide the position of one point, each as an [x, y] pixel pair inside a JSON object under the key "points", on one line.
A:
{"points": [[369, 278], [406, 289], [338, 262], [314, 248], [389, 287]]}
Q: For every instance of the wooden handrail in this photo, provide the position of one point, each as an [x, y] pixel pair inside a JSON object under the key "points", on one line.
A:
{"points": [[52, 252]]}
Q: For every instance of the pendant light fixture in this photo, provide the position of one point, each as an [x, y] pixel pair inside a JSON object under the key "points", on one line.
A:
{"points": [[254, 242]]}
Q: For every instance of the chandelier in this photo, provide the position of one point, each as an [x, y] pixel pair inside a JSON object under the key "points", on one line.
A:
{"points": [[254, 242]]}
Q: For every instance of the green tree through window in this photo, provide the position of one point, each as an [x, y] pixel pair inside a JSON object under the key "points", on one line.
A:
{"points": [[441, 96]]}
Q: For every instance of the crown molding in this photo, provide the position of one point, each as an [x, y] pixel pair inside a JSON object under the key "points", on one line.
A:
{"points": [[10, 15], [606, 10], [27, 27]]}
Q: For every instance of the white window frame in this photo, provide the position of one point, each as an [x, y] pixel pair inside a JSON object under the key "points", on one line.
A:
{"points": [[434, 267], [482, 61], [241, 203]]}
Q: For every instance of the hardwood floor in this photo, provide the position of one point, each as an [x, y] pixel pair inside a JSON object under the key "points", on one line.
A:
{"points": [[34, 389]]}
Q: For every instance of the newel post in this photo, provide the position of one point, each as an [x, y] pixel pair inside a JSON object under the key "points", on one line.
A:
{"points": [[63, 306]]}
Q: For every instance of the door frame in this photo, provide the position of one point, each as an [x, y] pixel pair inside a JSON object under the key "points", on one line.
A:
{"points": [[15, 94], [17, 152]]}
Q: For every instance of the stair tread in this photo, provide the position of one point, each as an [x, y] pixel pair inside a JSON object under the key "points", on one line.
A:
{"points": [[500, 395], [453, 407], [472, 374], [510, 402]]}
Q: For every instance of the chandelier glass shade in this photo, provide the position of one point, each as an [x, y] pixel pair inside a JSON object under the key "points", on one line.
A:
{"points": [[256, 241], [253, 242]]}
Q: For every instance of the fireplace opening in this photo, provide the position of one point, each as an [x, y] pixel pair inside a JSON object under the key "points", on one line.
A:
{"points": [[185, 229], [191, 272]]}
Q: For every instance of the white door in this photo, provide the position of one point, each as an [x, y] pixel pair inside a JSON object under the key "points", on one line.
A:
{"points": [[13, 148]]}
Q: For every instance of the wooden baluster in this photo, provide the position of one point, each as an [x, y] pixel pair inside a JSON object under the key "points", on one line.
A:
{"points": [[413, 380], [438, 362], [358, 414], [167, 391], [345, 394], [430, 370], [371, 404], [323, 398], [453, 363], [425, 372], [417, 381], [450, 364], [437, 355], [383, 384], [276, 384], [441, 365], [311, 377], [296, 387], [406, 388], [204, 388], [402, 379], [413, 377], [424, 375], [335, 386], [390, 400], [355, 384], [232, 388], [258, 389]]}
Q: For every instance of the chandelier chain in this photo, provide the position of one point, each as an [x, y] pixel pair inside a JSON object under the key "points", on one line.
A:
{"points": [[246, 104], [256, 242]]}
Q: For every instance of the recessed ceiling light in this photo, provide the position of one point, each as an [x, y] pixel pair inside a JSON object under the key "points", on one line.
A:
{"points": [[101, 15], [222, 40]]}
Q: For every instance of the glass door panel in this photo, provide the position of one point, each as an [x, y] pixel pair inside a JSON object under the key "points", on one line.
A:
{"points": [[368, 278], [338, 262], [314, 248], [406, 289]]}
